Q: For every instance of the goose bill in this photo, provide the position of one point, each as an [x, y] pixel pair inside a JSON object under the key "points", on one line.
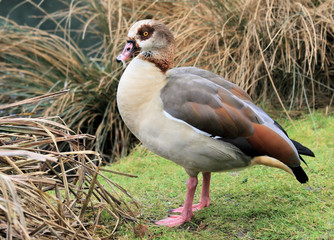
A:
{"points": [[129, 49]]}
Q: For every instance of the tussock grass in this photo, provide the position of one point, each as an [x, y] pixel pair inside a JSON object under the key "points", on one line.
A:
{"points": [[33, 62], [49, 193], [279, 51]]}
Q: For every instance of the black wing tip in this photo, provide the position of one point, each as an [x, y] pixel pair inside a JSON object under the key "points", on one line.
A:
{"points": [[300, 157], [302, 149], [300, 174]]}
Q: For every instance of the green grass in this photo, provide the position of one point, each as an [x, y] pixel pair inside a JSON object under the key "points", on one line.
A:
{"points": [[257, 203]]}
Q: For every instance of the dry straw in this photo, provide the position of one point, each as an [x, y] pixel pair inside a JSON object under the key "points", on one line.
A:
{"points": [[47, 193], [281, 52]]}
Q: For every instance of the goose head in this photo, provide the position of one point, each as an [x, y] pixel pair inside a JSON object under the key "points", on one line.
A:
{"points": [[152, 41]]}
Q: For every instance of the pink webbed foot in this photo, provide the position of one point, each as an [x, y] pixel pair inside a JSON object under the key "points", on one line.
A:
{"points": [[173, 221], [187, 209], [195, 207]]}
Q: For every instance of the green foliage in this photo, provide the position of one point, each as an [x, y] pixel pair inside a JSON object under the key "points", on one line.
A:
{"points": [[256, 203]]}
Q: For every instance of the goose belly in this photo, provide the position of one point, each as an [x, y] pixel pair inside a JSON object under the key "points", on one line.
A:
{"points": [[185, 146]]}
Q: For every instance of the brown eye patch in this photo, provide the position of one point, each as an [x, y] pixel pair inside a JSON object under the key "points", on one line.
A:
{"points": [[145, 32]]}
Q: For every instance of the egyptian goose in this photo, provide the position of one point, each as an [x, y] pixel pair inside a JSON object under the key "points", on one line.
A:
{"points": [[196, 118]]}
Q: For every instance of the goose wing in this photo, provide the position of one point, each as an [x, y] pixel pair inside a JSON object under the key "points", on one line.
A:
{"points": [[223, 110]]}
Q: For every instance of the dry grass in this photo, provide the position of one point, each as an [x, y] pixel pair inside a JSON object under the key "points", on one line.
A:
{"points": [[279, 51], [33, 62], [49, 193]]}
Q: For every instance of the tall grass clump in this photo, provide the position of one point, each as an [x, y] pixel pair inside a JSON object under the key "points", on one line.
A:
{"points": [[34, 62], [47, 193], [279, 51], [282, 48]]}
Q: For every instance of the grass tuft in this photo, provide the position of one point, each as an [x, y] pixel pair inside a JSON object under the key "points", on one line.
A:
{"points": [[47, 192]]}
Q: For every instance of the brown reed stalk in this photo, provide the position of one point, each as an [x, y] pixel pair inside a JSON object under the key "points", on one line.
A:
{"points": [[47, 193]]}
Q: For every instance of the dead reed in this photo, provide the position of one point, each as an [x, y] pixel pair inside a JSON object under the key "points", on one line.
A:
{"points": [[281, 52], [49, 193], [33, 62]]}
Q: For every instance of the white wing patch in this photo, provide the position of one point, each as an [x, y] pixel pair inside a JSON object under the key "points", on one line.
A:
{"points": [[181, 121]]}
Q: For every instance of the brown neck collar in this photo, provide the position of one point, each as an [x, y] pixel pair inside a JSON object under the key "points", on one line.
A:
{"points": [[162, 59]]}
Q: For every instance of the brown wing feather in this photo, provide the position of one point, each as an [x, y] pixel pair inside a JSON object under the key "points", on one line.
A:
{"points": [[268, 142], [240, 93], [224, 121], [206, 106]]}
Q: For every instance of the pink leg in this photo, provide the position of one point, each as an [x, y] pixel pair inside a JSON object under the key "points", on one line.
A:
{"points": [[187, 212], [205, 195]]}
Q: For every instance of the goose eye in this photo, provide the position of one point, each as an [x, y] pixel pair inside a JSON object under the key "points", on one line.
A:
{"points": [[145, 34]]}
